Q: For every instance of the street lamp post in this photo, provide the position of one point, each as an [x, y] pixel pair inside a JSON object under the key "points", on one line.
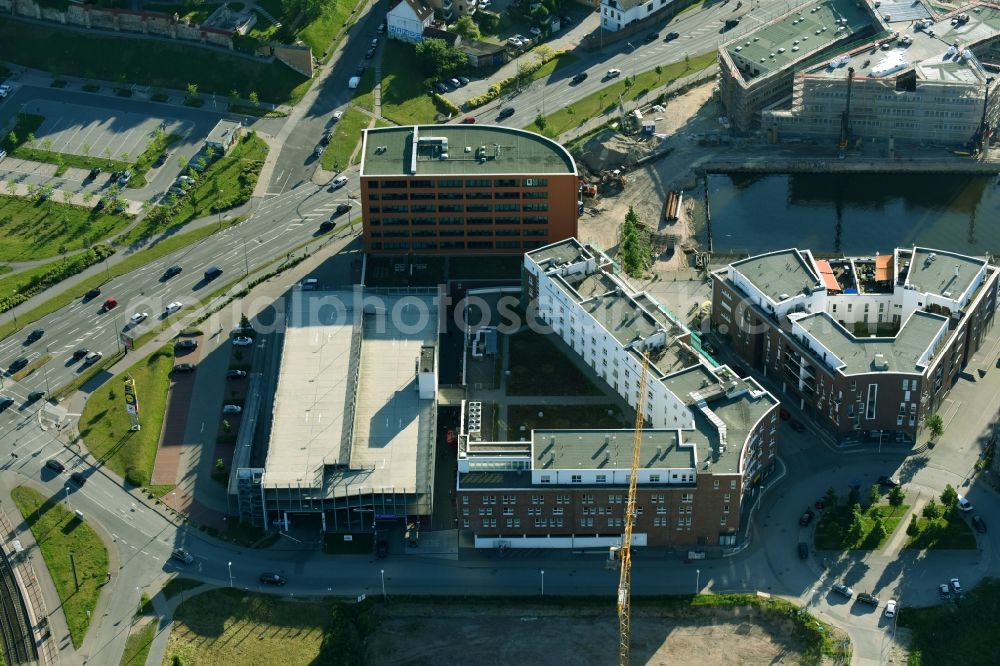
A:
{"points": [[543, 582], [139, 603], [697, 581], [230, 574], [382, 571], [67, 495]]}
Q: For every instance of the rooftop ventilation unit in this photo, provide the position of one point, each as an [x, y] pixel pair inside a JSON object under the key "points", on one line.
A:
{"points": [[782, 297], [879, 362]]}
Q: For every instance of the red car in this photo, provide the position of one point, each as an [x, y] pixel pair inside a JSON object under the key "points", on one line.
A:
{"points": [[109, 304], [468, 120], [784, 414]]}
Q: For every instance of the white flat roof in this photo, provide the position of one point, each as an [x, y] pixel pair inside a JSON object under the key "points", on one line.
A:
{"points": [[391, 437]]}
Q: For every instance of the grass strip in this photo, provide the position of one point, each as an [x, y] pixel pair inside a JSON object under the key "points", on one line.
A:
{"points": [[138, 644], [606, 99], [833, 531], [68, 544], [24, 285], [344, 139], [128, 59], [947, 532], [955, 633], [161, 141], [66, 160], [31, 230]]}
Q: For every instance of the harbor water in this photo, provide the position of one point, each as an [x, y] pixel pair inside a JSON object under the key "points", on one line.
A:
{"points": [[853, 214]]}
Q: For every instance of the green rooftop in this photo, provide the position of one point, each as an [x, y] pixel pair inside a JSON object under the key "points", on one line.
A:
{"points": [[799, 34], [461, 150]]}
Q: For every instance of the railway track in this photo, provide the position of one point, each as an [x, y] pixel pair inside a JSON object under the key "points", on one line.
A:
{"points": [[15, 630]]}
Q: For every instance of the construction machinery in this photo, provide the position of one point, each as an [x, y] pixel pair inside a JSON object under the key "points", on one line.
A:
{"points": [[845, 118], [625, 549]]}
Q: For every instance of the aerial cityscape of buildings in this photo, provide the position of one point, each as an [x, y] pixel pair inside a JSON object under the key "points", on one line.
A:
{"points": [[349, 304]]}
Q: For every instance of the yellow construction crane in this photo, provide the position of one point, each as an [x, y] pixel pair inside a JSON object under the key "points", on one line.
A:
{"points": [[625, 551]]}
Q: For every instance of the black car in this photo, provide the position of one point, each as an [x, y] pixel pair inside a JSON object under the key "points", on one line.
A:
{"points": [[580, 78], [186, 344], [80, 353], [18, 364], [272, 579], [35, 335], [342, 208], [5, 402], [671, 36], [184, 367], [867, 598], [172, 271], [888, 481], [78, 478], [162, 159], [55, 465], [92, 294], [236, 374], [796, 426], [979, 524], [328, 225], [34, 396], [94, 173], [506, 113], [652, 37], [213, 272], [806, 517], [803, 550], [381, 549], [370, 53]]}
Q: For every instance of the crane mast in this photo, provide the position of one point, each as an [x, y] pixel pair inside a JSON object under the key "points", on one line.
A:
{"points": [[625, 551]]}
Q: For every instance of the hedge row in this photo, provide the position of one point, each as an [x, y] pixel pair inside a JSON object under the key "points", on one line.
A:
{"points": [[508, 84]]}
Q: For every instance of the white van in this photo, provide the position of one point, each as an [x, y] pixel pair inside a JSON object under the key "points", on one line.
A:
{"points": [[964, 504]]}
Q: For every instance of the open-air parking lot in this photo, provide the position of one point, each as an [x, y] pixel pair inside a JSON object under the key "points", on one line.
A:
{"points": [[85, 130]]}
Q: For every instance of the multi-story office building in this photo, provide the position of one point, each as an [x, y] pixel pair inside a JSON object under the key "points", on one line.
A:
{"points": [[868, 346], [709, 436], [465, 188], [927, 85], [756, 68]]}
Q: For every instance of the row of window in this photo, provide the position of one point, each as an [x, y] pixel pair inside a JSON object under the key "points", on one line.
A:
{"points": [[587, 499], [420, 183], [379, 246], [458, 208], [453, 196], [454, 221], [458, 233]]}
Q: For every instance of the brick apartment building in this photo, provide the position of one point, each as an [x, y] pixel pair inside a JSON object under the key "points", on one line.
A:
{"points": [[711, 436], [869, 346], [465, 188]]}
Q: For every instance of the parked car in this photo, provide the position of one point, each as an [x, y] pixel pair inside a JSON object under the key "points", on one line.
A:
{"points": [[55, 465], [172, 271], [468, 120], [94, 173], [868, 598], [463, 80], [579, 78], [325, 226], [212, 272], [109, 304], [35, 396], [535, 30], [651, 37], [888, 481], [272, 579], [5, 402], [342, 208], [440, 87], [796, 426], [964, 504], [339, 182], [844, 590], [184, 367], [944, 591], [807, 517], [35, 335], [80, 353], [4, 90], [374, 42], [370, 53], [506, 113], [337, 115], [236, 374], [78, 478], [613, 73], [182, 555], [125, 177], [979, 524], [138, 317], [241, 341], [173, 307], [309, 284], [17, 364], [515, 42], [93, 357], [186, 343], [231, 409], [455, 83], [956, 587], [890, 608], [803, 550]]}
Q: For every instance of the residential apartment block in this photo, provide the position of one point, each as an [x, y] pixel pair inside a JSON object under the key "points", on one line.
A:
{"points": [[709, 436], [465, 188], [616, 14], [868, 347]]}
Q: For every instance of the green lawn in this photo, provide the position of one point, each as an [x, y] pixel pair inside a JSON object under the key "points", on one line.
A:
{"points": [[345, 138], [364, 94], [319, 33], [24, 125], [405, 99], [949, 532], [538, 367], [559, 60], [32, 230], [564, 417], [138, 644], [598, 103], [39, 152], [226, 183], [105, 426], [59, 533], [19, 287], [955, 633], [130, 263], [832, 530], [126, 59]]}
